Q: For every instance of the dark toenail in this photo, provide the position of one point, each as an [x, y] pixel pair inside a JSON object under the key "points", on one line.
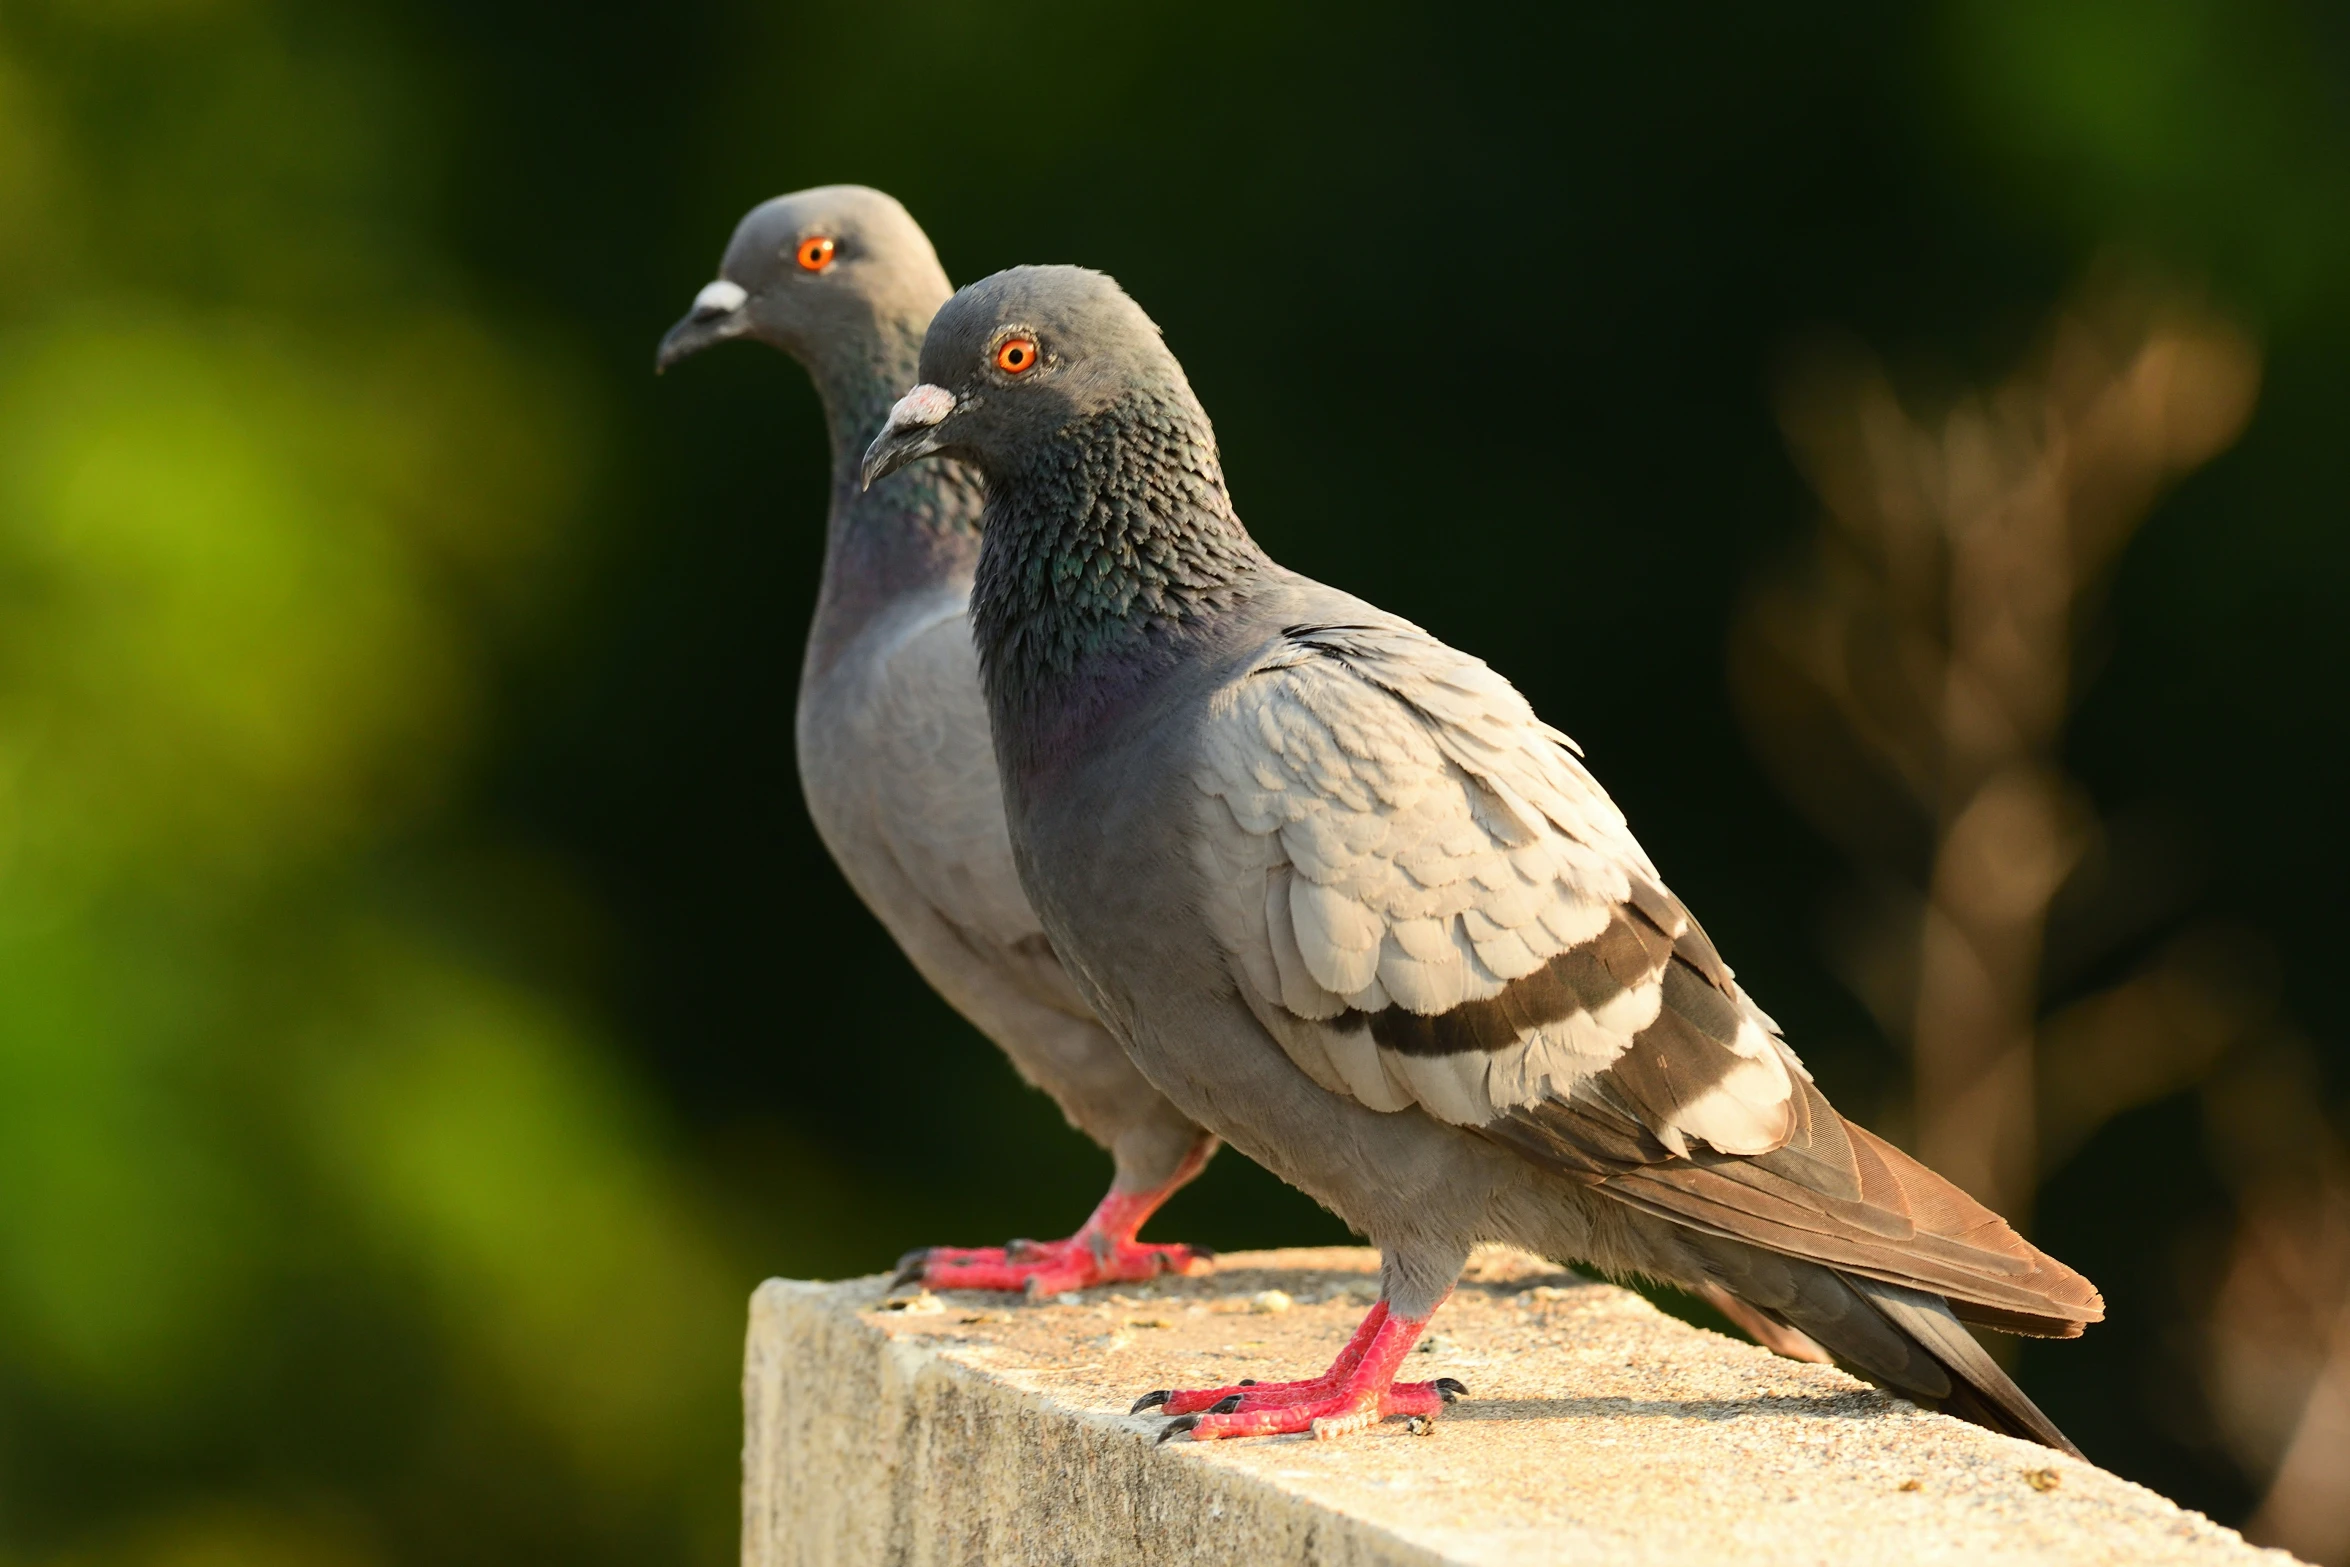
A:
{"points": [[1204, 1253], [910, 1266], [1246, 1382], [1151, 1400], [1179, 1424], [1452, 1389], [1225, 1405]]}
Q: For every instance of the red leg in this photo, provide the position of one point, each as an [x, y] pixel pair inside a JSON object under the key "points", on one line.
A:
{"points": [[1358, 1389], [1103, 1251]]}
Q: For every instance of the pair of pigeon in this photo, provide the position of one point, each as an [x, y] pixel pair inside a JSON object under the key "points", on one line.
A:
{"points": [[1216, 852]]}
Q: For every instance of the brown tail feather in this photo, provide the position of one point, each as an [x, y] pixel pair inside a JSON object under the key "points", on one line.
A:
{"points": [[1901, 1223], [2021, 1324], [2011, 1307]]}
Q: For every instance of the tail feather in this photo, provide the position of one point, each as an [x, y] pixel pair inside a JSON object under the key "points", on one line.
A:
{"points": [[1983, 1393], [1905, 1340], [1835, 1234], [1904, 1225], [1821, 1304]]}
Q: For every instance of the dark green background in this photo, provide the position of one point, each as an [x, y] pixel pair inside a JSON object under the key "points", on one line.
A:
{"points": [[424, 1009]]}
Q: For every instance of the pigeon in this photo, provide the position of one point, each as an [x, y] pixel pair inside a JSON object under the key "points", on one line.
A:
{"points": [[1357, 910], [892, 732]]}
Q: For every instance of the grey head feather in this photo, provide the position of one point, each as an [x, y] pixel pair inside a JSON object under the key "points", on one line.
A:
{"points": [[1109, 529], [855, 322]]}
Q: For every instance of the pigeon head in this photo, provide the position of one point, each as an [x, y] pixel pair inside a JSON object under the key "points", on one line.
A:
{"points": [[1109, 532], [819, 274], [1014, 362]]}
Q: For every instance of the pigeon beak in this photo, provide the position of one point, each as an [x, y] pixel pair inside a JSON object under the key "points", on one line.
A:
{"points": [[912, 432], [717, 315]]}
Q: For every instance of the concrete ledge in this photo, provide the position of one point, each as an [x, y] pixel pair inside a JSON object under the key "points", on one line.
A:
{"points": [[1599, 1432]]}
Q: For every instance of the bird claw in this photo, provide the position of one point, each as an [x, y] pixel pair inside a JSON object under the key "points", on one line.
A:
{"points": [[1250, 1394], [1176, 1427], [1043, 1269]]}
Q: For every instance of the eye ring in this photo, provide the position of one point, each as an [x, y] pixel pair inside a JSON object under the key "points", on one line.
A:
{"points": [[1016, 355], [814, 253]]}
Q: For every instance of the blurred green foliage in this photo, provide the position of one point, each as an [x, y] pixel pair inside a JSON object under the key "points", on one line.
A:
{"points": [[423, 1009], [324, 1235]]}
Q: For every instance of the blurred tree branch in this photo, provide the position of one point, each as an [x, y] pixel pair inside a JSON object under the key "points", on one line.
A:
{"points": [[2277, 1337], [1910, 681]]}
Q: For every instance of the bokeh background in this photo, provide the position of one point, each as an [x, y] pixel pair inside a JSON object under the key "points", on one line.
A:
{"points": [[1905, 444]]}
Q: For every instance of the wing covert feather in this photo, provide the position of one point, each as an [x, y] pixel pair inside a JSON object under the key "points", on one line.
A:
{"points": [[1452, 899]]}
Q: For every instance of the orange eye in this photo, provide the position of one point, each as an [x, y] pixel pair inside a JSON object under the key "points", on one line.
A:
{"points": [[1017, 354], [815, 253]]}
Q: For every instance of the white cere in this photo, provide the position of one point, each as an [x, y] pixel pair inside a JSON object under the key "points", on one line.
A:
{"points": [[719, 298]]}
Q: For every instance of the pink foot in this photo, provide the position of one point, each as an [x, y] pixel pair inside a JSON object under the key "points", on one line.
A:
{"points": [[1103, 1251], [1358, 1390], [1048, 1267], [1333, 1414], [1249, 1395]]}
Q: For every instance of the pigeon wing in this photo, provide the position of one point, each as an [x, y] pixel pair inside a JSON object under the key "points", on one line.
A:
{"points": [[1429, 901]]}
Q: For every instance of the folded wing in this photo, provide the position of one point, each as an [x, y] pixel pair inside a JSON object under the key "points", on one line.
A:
{"points": [[1430, 902]]}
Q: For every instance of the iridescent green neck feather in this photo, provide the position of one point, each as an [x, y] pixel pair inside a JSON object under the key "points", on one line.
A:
{"points": [[1103, 546]]}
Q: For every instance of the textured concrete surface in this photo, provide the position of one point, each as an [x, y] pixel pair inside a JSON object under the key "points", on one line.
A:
{"points": [[967, 1429]]}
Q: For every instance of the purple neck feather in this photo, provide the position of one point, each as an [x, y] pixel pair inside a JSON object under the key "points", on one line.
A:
{"points": [[917, 529]]}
